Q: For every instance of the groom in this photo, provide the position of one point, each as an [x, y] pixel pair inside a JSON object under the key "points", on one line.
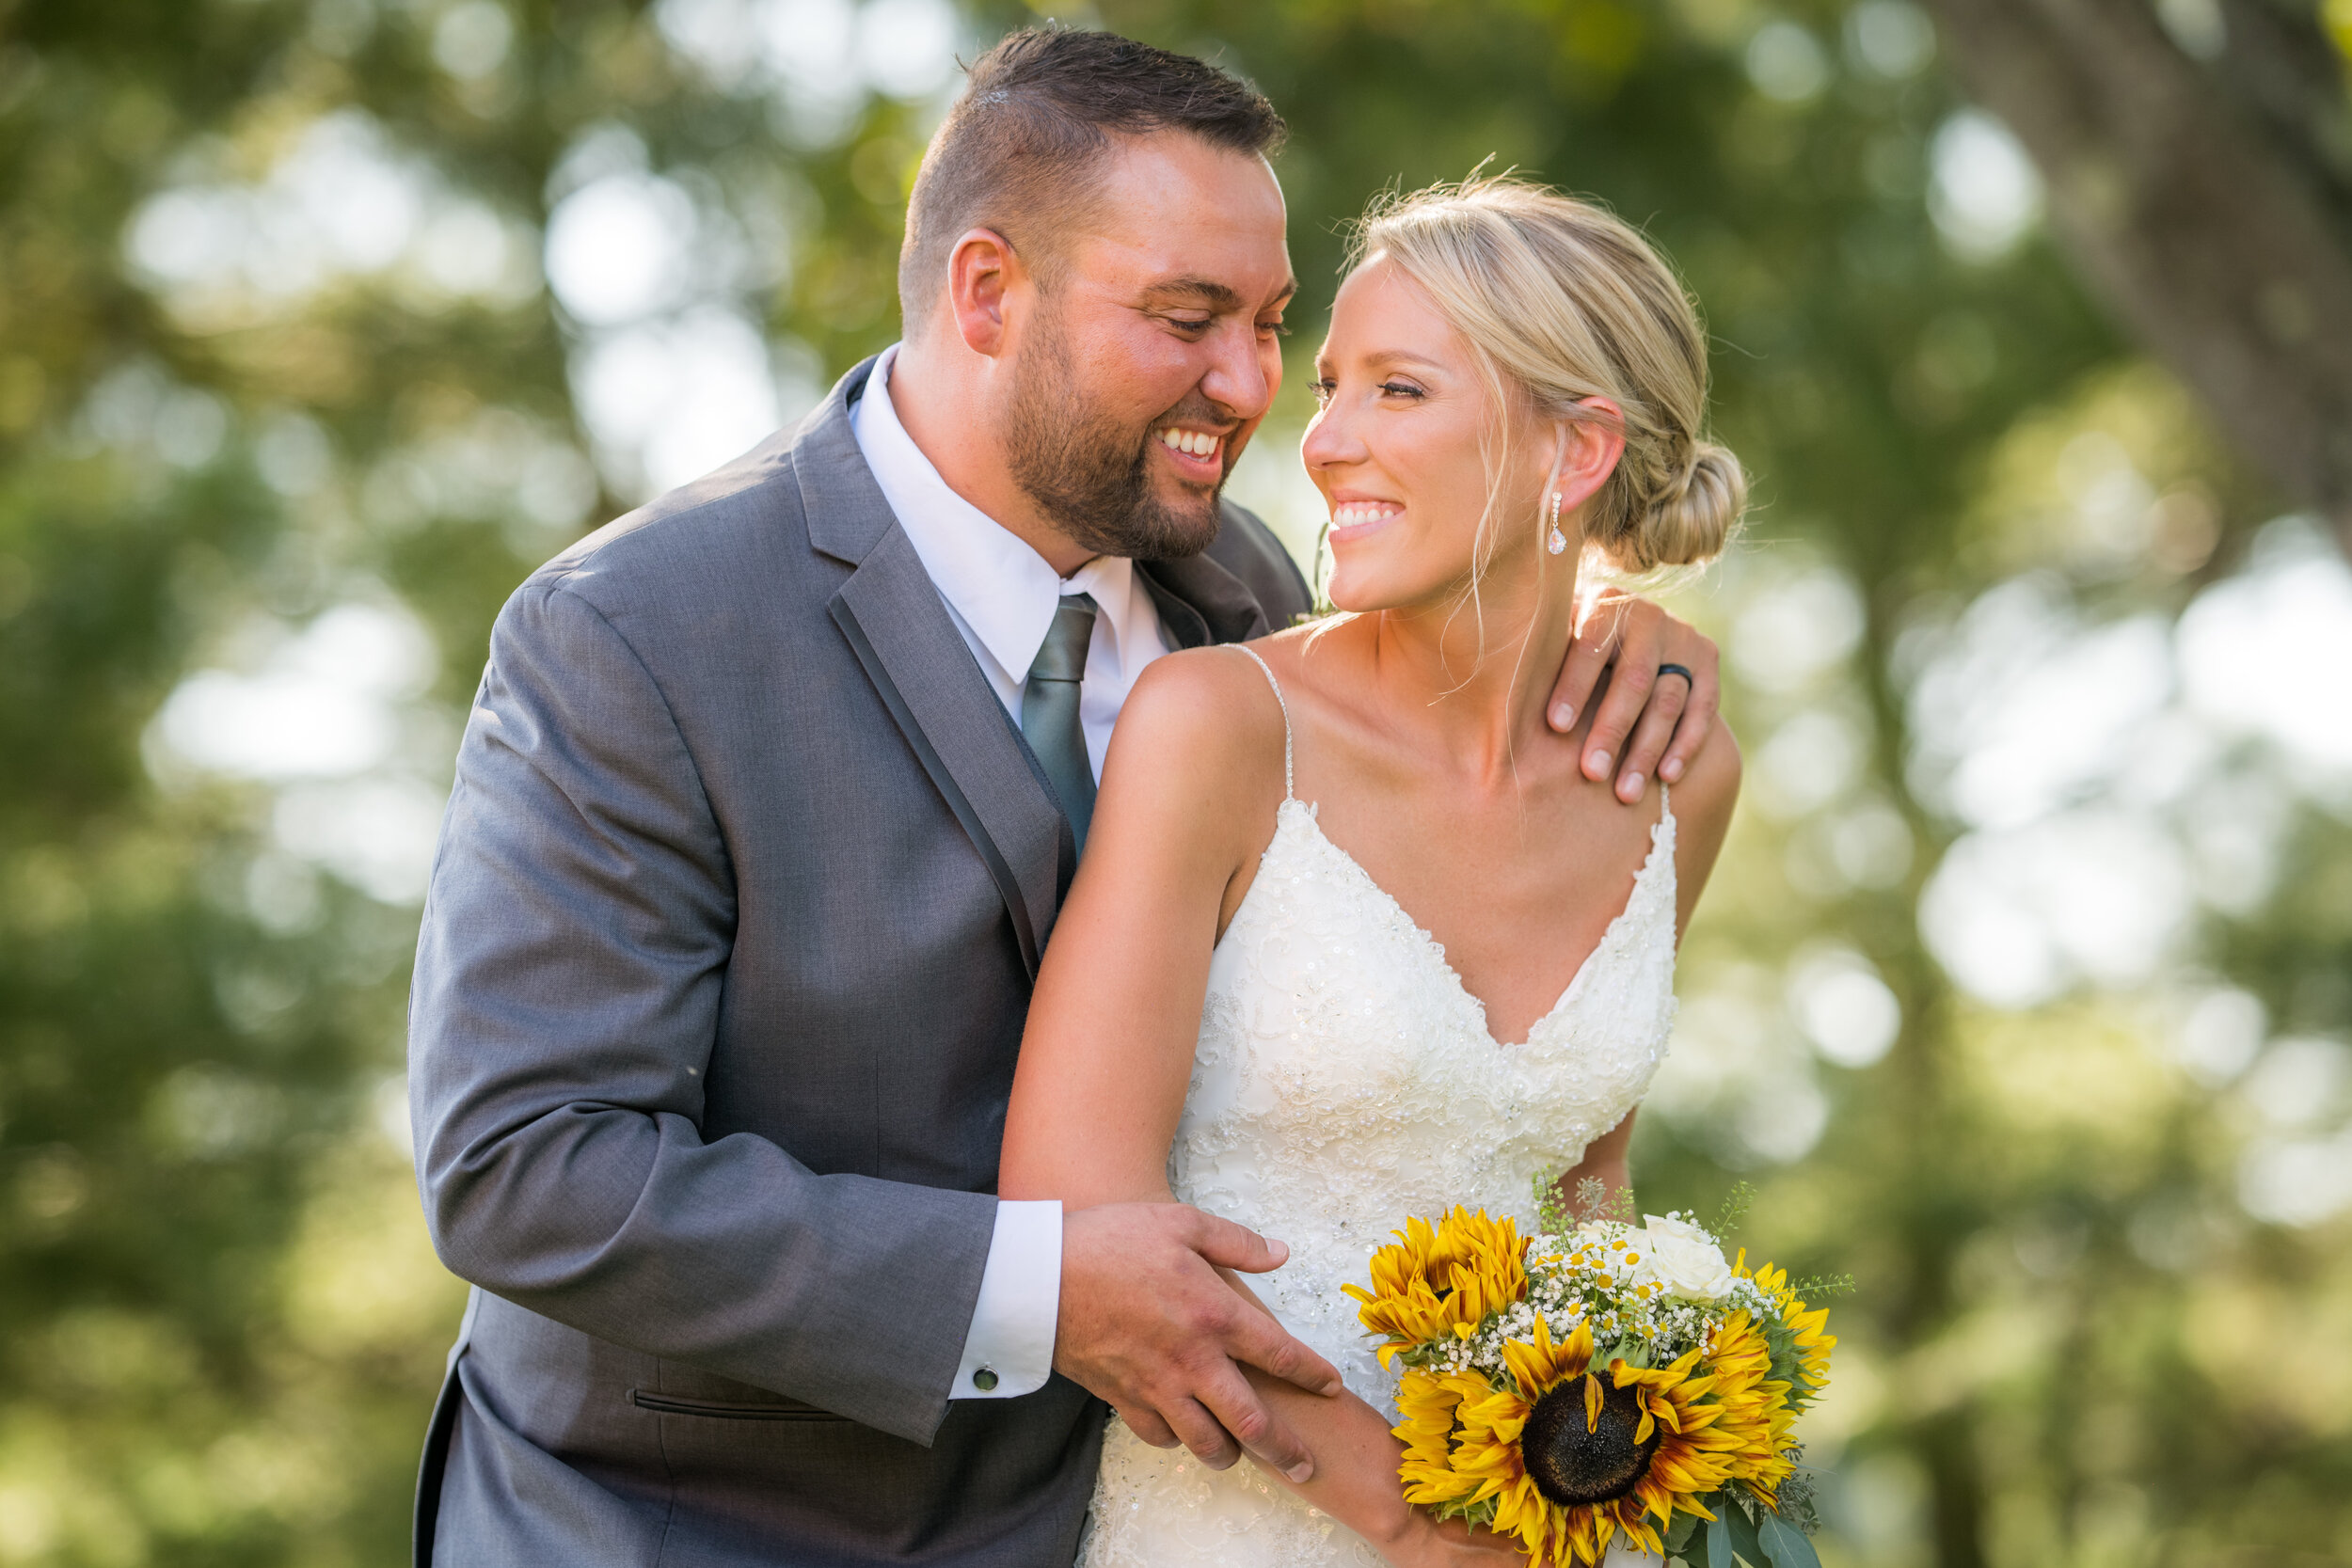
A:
{"points": [[768, 798]]}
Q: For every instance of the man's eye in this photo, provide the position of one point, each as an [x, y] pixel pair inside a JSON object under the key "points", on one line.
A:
{"points": [[1274, 328], [1187, 323]]}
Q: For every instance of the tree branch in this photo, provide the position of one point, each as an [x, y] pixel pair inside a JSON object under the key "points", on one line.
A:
{"points": [[2216, 237]]}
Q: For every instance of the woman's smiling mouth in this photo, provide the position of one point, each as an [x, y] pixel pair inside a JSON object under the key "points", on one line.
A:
{"points": [[1352, 520]]}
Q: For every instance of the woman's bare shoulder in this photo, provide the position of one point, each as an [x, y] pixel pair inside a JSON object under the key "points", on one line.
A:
{"points": [[1207, 711], [1711, 786], [1319, 665], [1289, 649], [1200, 690], [1702, 805]]}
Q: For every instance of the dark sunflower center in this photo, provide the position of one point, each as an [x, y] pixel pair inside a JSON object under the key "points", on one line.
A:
{"points": [[1577, 1467]]}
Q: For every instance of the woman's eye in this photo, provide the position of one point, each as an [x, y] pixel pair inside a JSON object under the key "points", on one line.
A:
{"points": [[1400, 388], [1322, 389]]}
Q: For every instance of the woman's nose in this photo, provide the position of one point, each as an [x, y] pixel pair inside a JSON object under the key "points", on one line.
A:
{"points": [[1331, 439]]}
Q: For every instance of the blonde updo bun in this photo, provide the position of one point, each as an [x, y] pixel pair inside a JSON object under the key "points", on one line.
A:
{"points": [[1564, 301], [1692, 523]]}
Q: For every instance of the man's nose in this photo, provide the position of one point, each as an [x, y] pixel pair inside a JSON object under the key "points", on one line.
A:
{"points": [[1237, 379]]}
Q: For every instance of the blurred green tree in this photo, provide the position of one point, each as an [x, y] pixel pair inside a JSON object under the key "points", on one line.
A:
{"points": [[324, 320]]}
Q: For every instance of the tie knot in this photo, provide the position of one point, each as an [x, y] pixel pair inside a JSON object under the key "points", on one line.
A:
{"points": [[1064, 655]]}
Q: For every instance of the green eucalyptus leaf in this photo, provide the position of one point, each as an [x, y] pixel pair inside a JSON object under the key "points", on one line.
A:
{"points": [[1679, 1533], [1743, 1539], [1786, 1544]]}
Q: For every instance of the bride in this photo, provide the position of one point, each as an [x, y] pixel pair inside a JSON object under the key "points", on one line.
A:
{"points": [[1354, 938]]}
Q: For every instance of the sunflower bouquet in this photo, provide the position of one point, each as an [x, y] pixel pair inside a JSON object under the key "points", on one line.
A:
{"points": [[1601, 1378]]}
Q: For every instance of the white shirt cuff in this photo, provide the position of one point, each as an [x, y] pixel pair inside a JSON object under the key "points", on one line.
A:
{"points": [[1009, 1349]]}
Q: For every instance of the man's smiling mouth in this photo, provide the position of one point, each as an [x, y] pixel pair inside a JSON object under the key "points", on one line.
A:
{"points": [[1191, 443]]}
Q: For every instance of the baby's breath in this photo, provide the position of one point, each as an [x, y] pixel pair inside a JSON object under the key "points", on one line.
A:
{"points": [[1589, 1273]]}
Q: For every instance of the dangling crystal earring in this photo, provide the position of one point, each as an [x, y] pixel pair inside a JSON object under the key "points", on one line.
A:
{"points": [[1557, 541]]}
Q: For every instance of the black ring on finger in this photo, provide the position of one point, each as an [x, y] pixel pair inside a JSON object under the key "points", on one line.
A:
{"points": [[1665, 669]]}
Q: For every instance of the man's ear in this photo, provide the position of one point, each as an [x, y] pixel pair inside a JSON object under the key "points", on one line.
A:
{"points": [[982, 272]]}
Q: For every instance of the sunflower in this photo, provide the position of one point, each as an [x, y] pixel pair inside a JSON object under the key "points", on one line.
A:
{"points": [[1566, 1455], [1433, 1284], [1754, 1412], [1805, 1328]]}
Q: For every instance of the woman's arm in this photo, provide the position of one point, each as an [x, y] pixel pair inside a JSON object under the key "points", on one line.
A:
{"points": [[1145, 1321], [1356, 1480], [1702, 803], [1604, 1162], [1188, 802]]}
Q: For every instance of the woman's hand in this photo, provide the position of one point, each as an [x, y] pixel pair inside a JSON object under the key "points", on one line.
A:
{"points": [[1451, 1544]]}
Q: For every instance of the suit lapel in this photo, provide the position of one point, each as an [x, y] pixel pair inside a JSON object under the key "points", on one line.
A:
{"points": [[891, 614], [1201, 602], [896, 625]]}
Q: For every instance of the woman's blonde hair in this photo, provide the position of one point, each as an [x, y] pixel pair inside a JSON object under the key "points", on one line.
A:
{"points": [[1565, 302]]}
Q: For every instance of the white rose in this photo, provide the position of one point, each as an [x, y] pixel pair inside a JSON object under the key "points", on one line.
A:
{"points": [[1681, 1260], [1675, 1225]]}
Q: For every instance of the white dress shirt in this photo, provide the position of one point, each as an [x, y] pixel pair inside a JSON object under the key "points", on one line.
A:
{"points": [[1002, 596]]}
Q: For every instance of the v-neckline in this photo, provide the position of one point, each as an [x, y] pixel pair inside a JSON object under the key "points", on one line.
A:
{"points": [[1661, 849]]}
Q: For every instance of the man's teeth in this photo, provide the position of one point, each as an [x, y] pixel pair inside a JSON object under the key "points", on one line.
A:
{"points": [[1191, 441], [1362, 511]]}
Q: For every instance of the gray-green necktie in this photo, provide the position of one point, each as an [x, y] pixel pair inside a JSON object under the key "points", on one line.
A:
{"points": [[1049, 710]]}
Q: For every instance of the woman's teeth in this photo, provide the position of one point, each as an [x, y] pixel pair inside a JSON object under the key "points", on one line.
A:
{"points": [[1355, 512], [1191, 441]]}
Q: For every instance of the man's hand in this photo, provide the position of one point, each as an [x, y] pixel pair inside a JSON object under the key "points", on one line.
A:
{"points": [[1631, 638], [1147, 1325]]}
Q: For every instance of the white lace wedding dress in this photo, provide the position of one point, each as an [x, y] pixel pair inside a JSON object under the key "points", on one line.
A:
{"points": [[1345, 1080]]}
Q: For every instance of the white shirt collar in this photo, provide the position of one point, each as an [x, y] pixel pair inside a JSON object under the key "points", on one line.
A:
{"points": [[1005, 590]]}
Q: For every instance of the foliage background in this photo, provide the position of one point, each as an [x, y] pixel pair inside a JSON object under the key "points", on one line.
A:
{"points": [[2024, 993]]}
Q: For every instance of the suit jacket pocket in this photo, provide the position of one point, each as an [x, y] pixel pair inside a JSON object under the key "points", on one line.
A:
{"points": [[730, 1410]]}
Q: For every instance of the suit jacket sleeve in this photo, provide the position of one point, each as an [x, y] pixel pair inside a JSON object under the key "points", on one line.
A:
{"points": [[568, 978]]}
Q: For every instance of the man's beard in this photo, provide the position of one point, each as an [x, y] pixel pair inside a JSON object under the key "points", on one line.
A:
{"points": [[1085, 473]]}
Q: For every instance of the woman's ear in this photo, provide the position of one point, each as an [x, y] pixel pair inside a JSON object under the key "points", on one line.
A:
{"points": [[1589, 450], [1560, 437]]}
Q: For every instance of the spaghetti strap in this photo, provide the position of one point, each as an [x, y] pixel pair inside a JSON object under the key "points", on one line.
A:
{"points": [[1281, 702]]}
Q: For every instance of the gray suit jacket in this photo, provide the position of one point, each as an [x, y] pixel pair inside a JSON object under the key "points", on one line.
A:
{"points": [[731, 934]]}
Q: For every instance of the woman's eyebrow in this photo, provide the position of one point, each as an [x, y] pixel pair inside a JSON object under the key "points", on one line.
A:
{"points": [[1401, 356]]}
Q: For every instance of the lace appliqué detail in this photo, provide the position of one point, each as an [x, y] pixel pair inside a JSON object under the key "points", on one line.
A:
{"points": [[1344, 1079]]}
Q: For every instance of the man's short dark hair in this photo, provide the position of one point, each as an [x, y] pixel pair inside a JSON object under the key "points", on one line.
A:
{"points": [[1021, 151]]}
